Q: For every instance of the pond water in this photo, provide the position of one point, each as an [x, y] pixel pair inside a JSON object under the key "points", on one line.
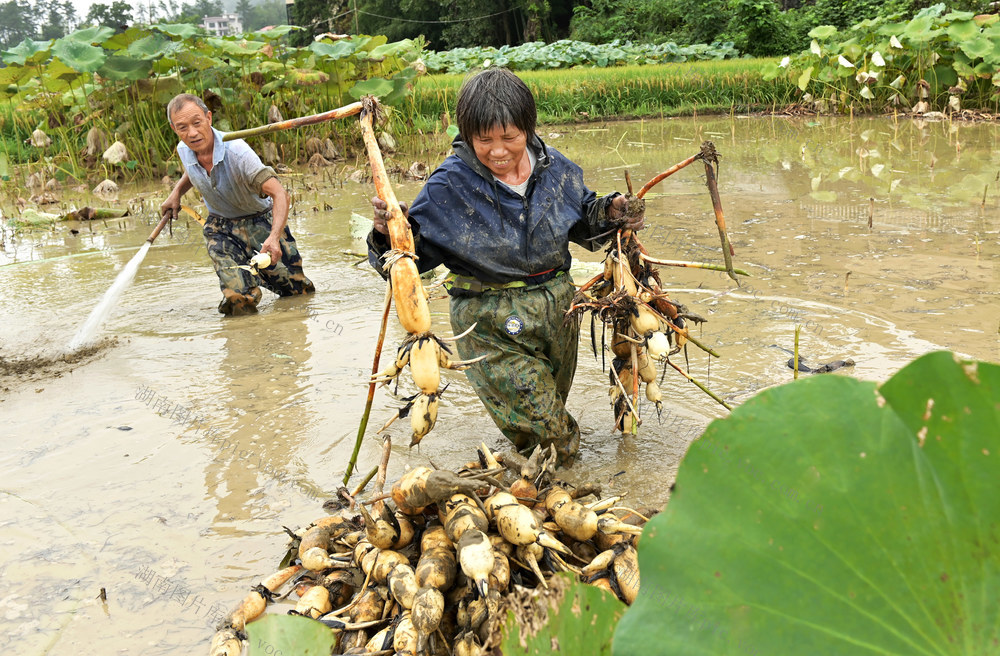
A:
{"points": [[163, 467]]}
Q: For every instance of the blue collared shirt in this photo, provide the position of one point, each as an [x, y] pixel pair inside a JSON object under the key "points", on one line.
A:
{"points": [[233, 188]]}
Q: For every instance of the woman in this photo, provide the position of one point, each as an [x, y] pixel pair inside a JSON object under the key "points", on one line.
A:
{"points": [[499, 213]]}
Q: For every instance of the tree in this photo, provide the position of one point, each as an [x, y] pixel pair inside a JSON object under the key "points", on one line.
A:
{"points": [[16, 23], [317, 17], [268, 12], [118, 16], [243, 11], [59, 18]]}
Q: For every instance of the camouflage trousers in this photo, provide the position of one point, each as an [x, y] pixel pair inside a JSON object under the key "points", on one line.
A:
{"points": [[231, 244], [531, 360]]}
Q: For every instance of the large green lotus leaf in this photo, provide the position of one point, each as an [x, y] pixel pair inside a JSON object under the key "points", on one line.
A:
{"points": [[290, 634], [27, 51], [978, 46], [833, 516], [375, 86], [13, 74], [941, 77], [920, 30], [125, 68], [822, 32], [275, 33], [57, 70], [335, 50], [90, 35], [81, 56], [124, 39], [153, 46], [580, 617], [241, 48], [962, 30], [183, 30]]}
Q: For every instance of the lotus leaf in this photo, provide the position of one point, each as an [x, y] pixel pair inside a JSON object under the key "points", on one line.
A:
{"points": [[920, 30], [27, 52], [80, 56], [833, 516], [14, 74], [275, 33], [90, 35], [241, 48], [580, 620], [822, 32], [153, 46], [182, 30], [336, 50], [984, 20], [375, 86], [290, 634], [961, 31], [804, 78], [125, 68], [125, 39], [978, 47]]}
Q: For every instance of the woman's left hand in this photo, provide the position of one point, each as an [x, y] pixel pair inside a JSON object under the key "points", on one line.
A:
{"points": [[617, 213]]}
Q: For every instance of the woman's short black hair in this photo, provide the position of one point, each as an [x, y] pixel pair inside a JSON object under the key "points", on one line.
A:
{"points": [[494, 97]]}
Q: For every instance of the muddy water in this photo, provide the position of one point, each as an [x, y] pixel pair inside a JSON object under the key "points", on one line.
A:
{"points": [[163, 470]]}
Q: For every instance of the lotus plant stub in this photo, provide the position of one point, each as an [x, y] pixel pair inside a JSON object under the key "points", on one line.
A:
{"points": [[40, 140], [116, 153]]}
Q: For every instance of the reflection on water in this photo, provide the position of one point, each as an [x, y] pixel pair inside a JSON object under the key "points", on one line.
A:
{"points": [[110, 487]]}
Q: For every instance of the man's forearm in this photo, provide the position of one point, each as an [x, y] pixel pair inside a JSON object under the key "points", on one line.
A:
{"points": [[182, 187]]}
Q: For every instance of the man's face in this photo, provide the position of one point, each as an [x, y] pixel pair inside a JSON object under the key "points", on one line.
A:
{"points": [[194, 127]]}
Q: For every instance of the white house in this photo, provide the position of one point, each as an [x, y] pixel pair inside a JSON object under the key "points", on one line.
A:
{"points": [[225, 25]]}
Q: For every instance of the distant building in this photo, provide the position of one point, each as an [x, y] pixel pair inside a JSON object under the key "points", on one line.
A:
{"points": [[225, 25]]}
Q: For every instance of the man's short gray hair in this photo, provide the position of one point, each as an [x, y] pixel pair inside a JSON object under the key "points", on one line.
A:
{"points": [[182, 99]]}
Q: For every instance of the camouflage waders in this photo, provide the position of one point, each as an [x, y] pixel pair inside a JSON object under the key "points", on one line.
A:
{"points": [[232, 242], [525, 380]]}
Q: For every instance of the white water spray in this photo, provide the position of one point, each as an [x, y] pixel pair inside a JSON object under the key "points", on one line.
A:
{"points": [[97, 316]]}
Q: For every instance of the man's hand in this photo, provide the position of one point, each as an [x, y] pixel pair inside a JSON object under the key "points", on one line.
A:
{"points": [[170, 207], [619, 212], [272, 247], [382, 214]]}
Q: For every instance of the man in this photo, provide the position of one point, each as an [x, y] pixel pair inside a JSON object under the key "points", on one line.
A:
{"points": [[247, 209]]}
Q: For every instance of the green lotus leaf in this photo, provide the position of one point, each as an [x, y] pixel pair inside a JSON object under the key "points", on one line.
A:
{"points": [[125, 68], [165, 65], [90, 35], [402, 83], [153, 46], [833, 516], [28, 51], [375, 86], [271, 87], [13, 74], [961, 31], [984, 69], [959, 16], [941, 76], [984, 20], [306, 77], [335, 50], [182, 30], [241, 48], [996, 79], [977, 46], [79, 55], [822, 32], [580, 619], [920, 30], [804, 78], [57, 69], [197, 61], [275, 33], [124, 39], [393, 49], [290, 634]]}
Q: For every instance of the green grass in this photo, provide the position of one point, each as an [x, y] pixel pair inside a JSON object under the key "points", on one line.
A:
{"points": [[589, 94]]}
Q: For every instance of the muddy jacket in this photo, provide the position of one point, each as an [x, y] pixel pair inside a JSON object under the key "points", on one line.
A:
{"points": [[476, 226]]}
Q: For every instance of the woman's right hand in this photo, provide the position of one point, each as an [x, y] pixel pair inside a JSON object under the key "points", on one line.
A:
{"points": [[382, 214]]}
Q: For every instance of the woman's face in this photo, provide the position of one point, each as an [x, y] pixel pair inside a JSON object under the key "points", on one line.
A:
{"points": [[501, 149]]}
